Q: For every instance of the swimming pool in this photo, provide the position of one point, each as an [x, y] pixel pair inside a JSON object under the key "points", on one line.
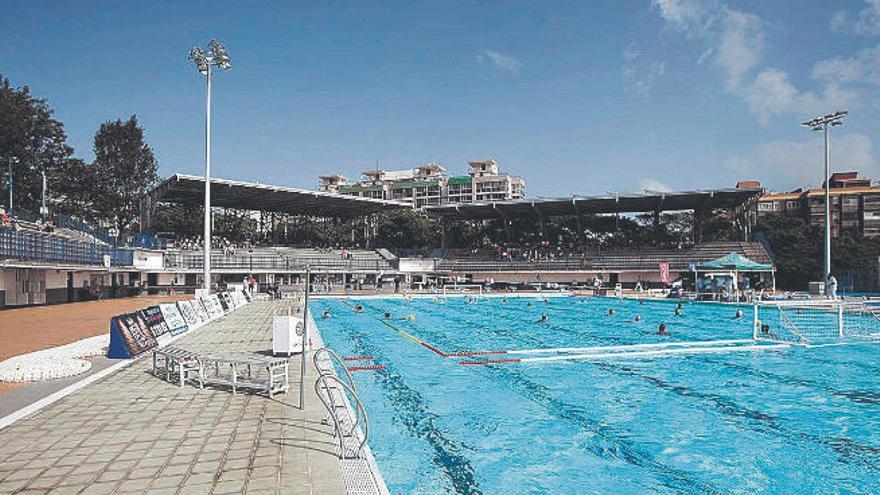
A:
{"points": [[772, 421]]}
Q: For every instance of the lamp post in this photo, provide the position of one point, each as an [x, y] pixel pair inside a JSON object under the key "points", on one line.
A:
{"points": [[215, 56], [9, 180], [822, 123]]}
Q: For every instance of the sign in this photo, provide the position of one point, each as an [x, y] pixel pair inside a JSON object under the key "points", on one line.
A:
{"points": [[176, 324], [664, 272], [156, 323], [212, 306], [188, 312], [129, 336], [223, 297], [201, 310]]}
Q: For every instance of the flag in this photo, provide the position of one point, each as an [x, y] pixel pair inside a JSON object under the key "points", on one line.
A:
{"points": [[664, 272]]}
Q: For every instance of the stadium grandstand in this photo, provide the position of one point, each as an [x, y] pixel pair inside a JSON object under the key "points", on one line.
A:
{"points": [[65, 260]]}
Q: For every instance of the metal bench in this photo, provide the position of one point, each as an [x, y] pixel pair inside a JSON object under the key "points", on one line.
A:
{"points": [[264, 374], [179, 361]]}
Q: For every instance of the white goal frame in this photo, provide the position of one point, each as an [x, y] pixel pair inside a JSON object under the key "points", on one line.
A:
{"points": [[462, 289]]}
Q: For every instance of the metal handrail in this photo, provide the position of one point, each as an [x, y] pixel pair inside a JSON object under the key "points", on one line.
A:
{"points": [[333, 356], [360, 412]]}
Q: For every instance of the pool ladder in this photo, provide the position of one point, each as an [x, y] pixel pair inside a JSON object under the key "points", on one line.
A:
{"points": [[351, 427]]}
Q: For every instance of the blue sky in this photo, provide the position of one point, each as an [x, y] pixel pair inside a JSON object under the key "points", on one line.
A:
{"points": [[576, 97]]}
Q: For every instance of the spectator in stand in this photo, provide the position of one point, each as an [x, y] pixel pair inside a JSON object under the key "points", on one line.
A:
{"points": [[5, 219]]}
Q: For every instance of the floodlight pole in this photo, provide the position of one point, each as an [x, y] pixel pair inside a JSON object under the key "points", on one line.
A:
{"points": [[822, 123], [305, 337], [827, 202], [207, 265]]}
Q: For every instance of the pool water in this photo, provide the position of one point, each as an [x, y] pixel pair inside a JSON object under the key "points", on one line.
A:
{"points": [[773, 421]]}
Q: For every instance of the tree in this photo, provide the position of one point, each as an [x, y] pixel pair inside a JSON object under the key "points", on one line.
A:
{"points": [[407, 229], [125, 169], [30, 135]]}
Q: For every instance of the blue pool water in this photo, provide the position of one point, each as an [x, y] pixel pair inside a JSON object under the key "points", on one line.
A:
{"points": [[791, 421]]}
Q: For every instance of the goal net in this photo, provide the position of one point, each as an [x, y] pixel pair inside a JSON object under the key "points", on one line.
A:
{"points": [[820, 322], [468, 289]]}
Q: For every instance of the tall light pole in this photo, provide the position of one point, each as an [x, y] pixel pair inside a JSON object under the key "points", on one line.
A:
{"points": [[9, 181], [215, 56], [822, 123]]}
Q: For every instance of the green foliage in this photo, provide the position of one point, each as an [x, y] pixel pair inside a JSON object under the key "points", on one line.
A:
{"points": [[31, 135], [125, 170], [799, 255], [406, 229]]}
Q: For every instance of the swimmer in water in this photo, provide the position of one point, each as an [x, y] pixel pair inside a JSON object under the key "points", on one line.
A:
{"points": [[325, 314], [739, 314], [637, 318], [542, 319], [358, 309], [387, 315], [662, 329], [611, 312], [545, 301], [504, 301], [529, 305], [677, 311]]}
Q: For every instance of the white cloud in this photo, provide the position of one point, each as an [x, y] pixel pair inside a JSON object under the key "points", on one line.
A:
{"points": [[772, 94], [639, 77], [863, 67], [734, 41], [785, 165], [504, 63], [654, 185], [740, 45], [689, 16], [865, 23]]}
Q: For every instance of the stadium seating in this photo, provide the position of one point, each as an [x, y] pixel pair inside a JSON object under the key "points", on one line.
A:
{"points": [[278, 258], [614, 259]]}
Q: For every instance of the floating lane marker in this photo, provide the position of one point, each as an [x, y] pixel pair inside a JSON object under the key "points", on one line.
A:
{"points": [[655, 353], [434, 349], [367, 368], [626, 347], [358, 358], [475, 353], [490, 361]]}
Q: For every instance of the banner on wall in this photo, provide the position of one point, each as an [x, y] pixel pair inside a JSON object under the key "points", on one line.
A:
{"points": [[664, 272], [129, 336], [223, 297], [176, 324], [199, 305], [188, 312], [156, 323]]}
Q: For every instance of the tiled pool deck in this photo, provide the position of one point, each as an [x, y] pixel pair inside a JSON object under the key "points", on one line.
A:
{"points": [[133, 433]]}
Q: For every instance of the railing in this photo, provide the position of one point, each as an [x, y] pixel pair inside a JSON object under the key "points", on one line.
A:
{"points": [[272, 262], [28, 245], [348, 425]]}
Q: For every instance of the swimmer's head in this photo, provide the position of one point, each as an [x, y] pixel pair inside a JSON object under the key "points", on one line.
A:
{"points": [[387, 315], [611, 312], [661, 330], [638, 318]]}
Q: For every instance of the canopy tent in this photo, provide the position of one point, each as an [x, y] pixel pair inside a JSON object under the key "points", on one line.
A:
{"points": [[732, 265], [735, 262]]}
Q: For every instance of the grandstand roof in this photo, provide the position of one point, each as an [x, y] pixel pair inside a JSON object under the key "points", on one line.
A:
{"points": [[190, 190], [611, 203]]}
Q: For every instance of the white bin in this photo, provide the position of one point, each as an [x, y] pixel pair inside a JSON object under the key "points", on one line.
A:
{"points": [[287, 334]]}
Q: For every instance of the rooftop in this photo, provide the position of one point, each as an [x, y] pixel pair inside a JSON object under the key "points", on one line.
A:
{"points": [[189, 190]]}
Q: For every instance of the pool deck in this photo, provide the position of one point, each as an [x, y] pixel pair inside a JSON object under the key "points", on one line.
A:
{"points": [[131, 432]]}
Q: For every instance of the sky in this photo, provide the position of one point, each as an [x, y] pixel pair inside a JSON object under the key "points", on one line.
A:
{"points": [[576, 97]]}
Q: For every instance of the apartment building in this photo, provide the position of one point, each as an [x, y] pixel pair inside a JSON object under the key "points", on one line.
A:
{"points": [[430, 185], [855, 204]]}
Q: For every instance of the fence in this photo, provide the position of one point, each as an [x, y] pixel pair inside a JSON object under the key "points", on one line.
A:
{"points": [[43, 247], [250, 262]]}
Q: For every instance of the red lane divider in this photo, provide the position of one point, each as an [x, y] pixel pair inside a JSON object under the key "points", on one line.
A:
{"points": [[358, 358], [489, 361], [432, 348], [475, 353], [367, 368]]}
